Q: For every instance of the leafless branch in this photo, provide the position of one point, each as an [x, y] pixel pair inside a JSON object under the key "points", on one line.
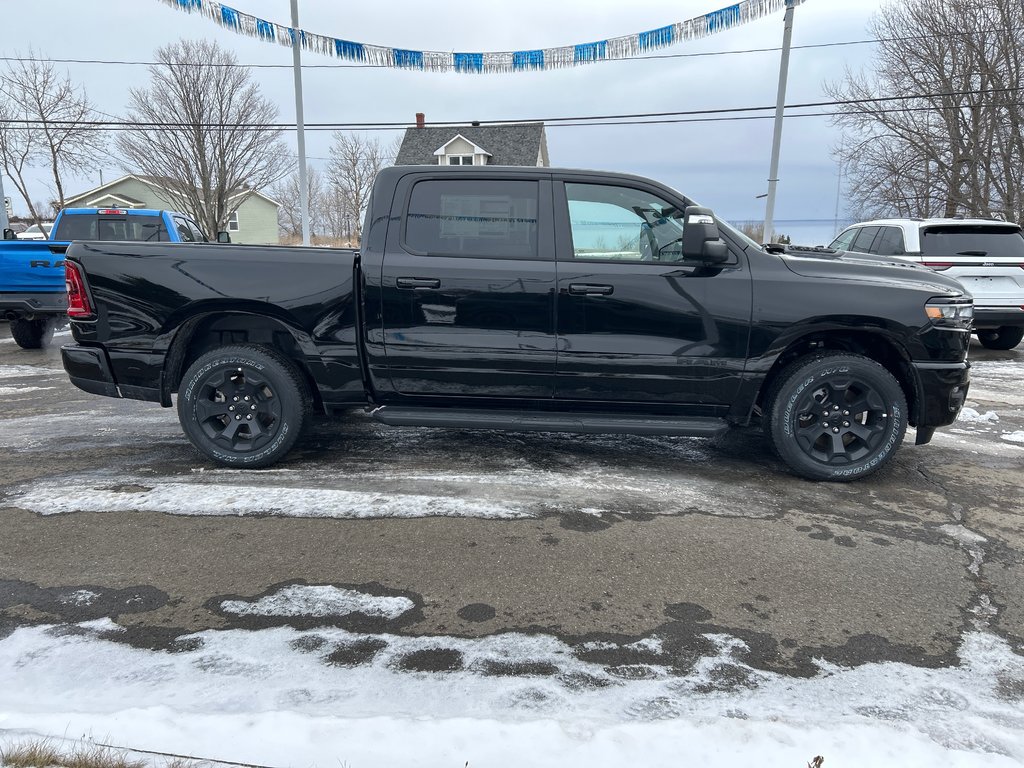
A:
{"points": [[214, 165], [957, 153]]}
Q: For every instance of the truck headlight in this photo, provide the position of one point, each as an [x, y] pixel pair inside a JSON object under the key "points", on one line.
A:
{"points": [[955, 315]]}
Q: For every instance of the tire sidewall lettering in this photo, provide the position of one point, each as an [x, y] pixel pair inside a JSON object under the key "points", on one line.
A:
{"points": [[787, 416], [189, 394]]}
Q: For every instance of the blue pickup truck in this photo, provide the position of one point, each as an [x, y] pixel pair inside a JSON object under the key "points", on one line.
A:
{"points": [[32, 292]]}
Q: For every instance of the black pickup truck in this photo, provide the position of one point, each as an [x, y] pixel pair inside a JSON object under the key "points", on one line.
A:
{"points": [[527, 299]]}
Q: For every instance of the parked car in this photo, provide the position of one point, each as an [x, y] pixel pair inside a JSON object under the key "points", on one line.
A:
{"points": [[985, 256], [527, 299], [32, 291], [37, 232]]}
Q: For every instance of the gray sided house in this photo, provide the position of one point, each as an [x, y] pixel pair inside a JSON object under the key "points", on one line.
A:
{"points": [[516, 144], [254, 223]]}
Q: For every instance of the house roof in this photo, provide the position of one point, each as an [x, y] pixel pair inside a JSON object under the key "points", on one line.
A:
{"points": [[515, 144], [162, 183], [129, 201]]}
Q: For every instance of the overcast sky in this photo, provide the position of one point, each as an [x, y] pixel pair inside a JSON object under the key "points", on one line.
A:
{"points": [[722, 164]]}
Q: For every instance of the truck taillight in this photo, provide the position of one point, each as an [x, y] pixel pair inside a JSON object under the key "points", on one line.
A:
{"points": [[111, 212], [78, 301], [938, 266]]}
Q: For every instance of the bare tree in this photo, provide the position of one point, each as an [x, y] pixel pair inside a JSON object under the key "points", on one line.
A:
{"points": [[289, 215], [203, 128], [936, 126], [355, 162], [54, 128]]}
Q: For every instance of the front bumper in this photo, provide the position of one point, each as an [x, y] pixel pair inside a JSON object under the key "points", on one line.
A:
{"points": [[89, 370], [941, 392]]}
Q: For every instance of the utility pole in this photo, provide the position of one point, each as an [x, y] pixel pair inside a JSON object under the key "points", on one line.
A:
{"points": [[4, 223], [300, 123], [780, 104]]}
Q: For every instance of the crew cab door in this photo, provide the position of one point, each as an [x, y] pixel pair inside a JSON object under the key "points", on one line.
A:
{"points": [[467, 287], [636, 321]]}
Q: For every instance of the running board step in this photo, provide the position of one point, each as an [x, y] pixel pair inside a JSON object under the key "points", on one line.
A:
{"points": [[550, 421]]}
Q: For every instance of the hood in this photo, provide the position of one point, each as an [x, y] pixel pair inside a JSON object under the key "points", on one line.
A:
{"points": [[866, 267]]}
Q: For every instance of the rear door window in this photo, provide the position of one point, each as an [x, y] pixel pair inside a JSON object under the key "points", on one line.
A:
{"points": [[889, 242], [483, 218]]}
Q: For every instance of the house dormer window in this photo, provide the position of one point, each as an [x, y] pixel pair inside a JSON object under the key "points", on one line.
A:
{"points": [[459, 150]]}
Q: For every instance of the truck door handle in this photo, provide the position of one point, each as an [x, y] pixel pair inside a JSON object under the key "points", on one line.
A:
{"points": [[586, 289], [418, 283]]}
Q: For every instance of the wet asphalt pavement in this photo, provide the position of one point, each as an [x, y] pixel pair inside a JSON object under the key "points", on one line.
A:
{"points": [[585, 538]]}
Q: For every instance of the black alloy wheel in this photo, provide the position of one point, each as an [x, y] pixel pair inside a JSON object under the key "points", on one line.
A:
{"points": [[243, 406], [836, 416]]}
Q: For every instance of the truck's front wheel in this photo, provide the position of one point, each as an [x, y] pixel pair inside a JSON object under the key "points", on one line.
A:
{"points": [[243, 406], [33, 334], [836, 416]]}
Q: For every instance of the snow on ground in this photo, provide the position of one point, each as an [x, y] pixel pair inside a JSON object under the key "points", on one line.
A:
{"points": [[1013, 437], [21, 390], [274, 697], [970, 414], [183, 498], [451, 494], [21, 371], [319, 601]]}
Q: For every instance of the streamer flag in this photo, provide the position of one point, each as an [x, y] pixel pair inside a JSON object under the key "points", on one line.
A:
{"points": [[622, 47]]}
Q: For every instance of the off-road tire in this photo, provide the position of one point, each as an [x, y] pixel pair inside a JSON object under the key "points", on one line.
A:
{"points": [[1004, 337], [865, 422], [243, 405], [33, 334]]}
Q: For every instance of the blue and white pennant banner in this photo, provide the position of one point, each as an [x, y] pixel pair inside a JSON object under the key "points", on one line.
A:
{"points": [[623, 47]]}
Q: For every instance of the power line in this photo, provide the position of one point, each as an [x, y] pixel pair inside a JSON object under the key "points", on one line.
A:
{"points": [[721, 114]]}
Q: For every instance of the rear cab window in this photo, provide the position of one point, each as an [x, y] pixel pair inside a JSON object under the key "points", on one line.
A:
{"points": [[125, 227]]}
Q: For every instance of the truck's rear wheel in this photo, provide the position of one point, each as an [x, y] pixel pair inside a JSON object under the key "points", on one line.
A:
{"points": [[836, 416], [243, 406], [1003, 337], [33, 334]]}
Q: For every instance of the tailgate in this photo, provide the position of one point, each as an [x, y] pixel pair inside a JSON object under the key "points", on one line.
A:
{"points": [[988, 260], [28, 266]]}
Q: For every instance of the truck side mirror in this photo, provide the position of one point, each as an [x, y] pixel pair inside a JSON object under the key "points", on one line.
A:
{"points": [[10, 235], [223, 237], [701, 241]]}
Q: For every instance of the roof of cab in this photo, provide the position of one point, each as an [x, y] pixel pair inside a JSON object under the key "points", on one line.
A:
{"points": [[128, 211]]}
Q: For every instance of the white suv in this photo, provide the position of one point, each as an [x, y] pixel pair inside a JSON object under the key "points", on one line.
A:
{"points": [[986, 256]]}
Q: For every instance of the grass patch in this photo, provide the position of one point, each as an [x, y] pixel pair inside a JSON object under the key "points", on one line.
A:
{"points": [[48, 754]]}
